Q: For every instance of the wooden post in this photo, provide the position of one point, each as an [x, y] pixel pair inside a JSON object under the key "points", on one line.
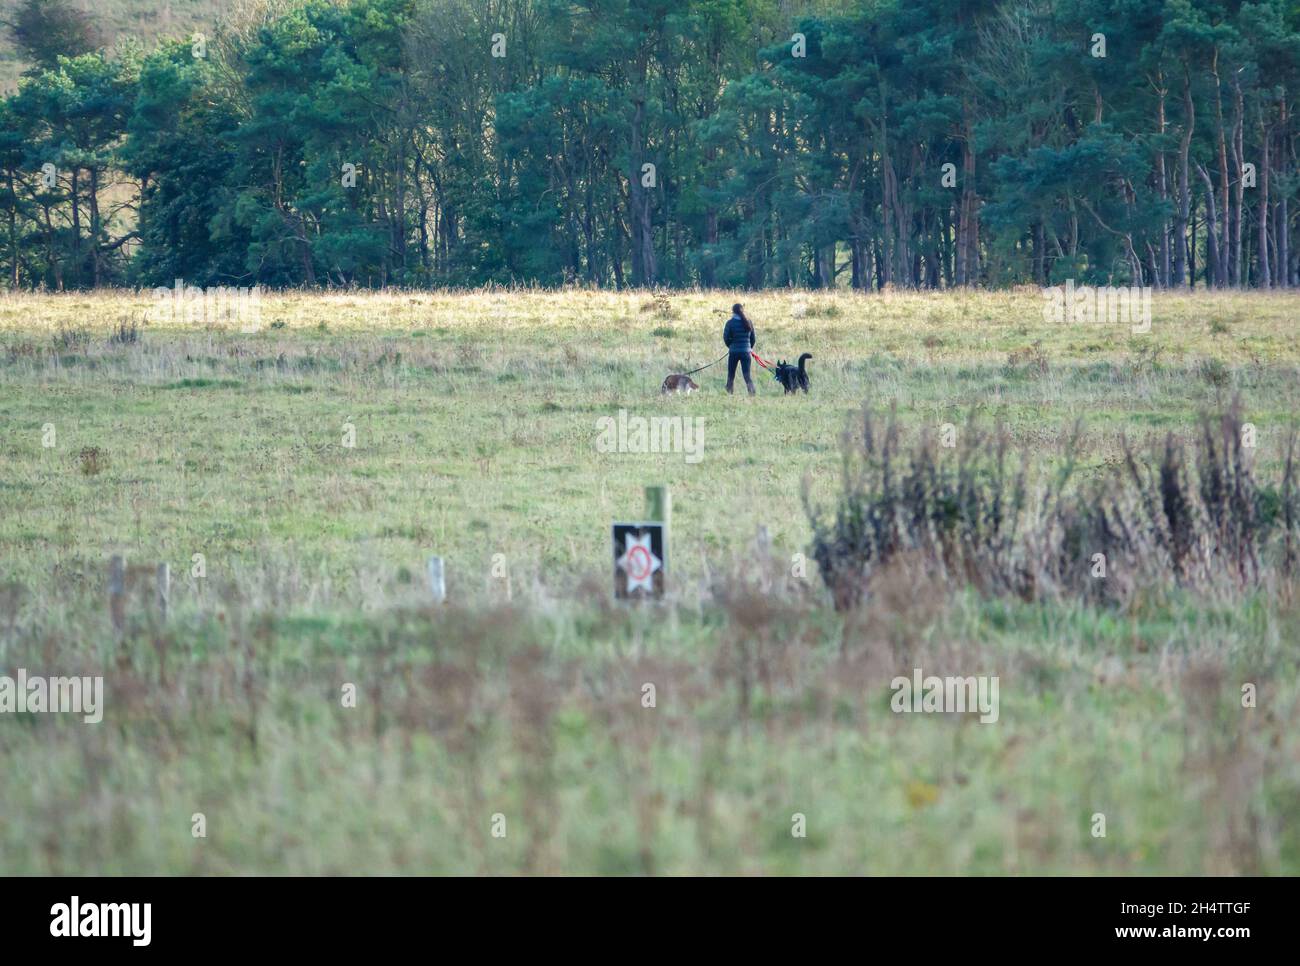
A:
{"points": [[659, 509], [437, 580], [164, 589], [117, 591], [763, 555]]}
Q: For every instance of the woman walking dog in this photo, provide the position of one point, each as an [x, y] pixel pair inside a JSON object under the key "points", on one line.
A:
{"points": [[738, 334]]}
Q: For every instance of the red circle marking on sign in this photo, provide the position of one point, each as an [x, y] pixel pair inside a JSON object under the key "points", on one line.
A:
{"points": [[638, 563]]}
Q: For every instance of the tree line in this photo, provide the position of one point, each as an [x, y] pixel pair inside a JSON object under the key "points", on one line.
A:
{"points": [[669, 143]]}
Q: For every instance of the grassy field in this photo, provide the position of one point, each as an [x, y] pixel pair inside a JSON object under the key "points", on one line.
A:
{"points": [[519, 705]]}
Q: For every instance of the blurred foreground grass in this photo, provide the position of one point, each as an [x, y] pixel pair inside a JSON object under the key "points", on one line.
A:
{"points": [[475, 419]]}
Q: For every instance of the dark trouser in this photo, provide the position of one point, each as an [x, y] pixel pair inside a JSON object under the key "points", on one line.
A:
{"points": [[743, 359]]}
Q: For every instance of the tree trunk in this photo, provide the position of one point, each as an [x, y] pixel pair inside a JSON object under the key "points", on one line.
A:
{"points": [[644, 270], [1264, 279], [1221, 278], [1184, 188], [1040, 255], [967, 228], [13, 233], [1164, 273], [708, 270], [1213, 262], [1238, 160], [76, 227], [94, 226], [1282, 242]]}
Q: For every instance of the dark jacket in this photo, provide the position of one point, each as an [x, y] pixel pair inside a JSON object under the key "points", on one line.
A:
{"points": [[737, 336]]}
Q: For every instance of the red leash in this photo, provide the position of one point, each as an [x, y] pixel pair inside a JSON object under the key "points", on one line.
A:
{"points": [[759, 359]]}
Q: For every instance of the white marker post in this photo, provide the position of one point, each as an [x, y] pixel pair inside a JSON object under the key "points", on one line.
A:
{"points": [[437, 580], [164, 590], [117, 591]]}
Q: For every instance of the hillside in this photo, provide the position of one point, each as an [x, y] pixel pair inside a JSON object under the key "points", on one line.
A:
{"points": [[146, 20]]}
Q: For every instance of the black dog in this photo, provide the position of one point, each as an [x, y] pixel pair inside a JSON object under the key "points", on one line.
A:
{"points": [[791, 378]]}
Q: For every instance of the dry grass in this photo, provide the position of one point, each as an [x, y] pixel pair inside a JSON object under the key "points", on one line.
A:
{"points": [[298, 568]]}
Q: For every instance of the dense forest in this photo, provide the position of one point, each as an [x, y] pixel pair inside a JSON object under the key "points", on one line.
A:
{"points": [[747, 143]]}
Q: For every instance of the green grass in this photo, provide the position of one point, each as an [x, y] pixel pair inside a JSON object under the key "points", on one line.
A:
{"points": [[475, 420]]}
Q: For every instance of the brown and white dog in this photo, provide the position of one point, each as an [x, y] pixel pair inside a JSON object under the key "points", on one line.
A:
{"points": [[678, 383]]}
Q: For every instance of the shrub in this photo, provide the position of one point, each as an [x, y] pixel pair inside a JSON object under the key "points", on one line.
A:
{"points": [[1214, 372], [822, 310], [71, 338], [126, 333], [93, 460], [1031, 360], [973, 516], [661, 305]]}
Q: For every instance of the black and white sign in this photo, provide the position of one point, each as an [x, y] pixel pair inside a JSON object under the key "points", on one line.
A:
{"points": [[638, 559]]}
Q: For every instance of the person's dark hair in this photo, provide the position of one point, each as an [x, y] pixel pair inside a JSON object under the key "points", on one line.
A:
{"points": [[739, 311]]}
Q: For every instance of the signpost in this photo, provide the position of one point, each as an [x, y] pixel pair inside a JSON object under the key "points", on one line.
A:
{"points": [[641, 549], [659, 509], [638, 560]]}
